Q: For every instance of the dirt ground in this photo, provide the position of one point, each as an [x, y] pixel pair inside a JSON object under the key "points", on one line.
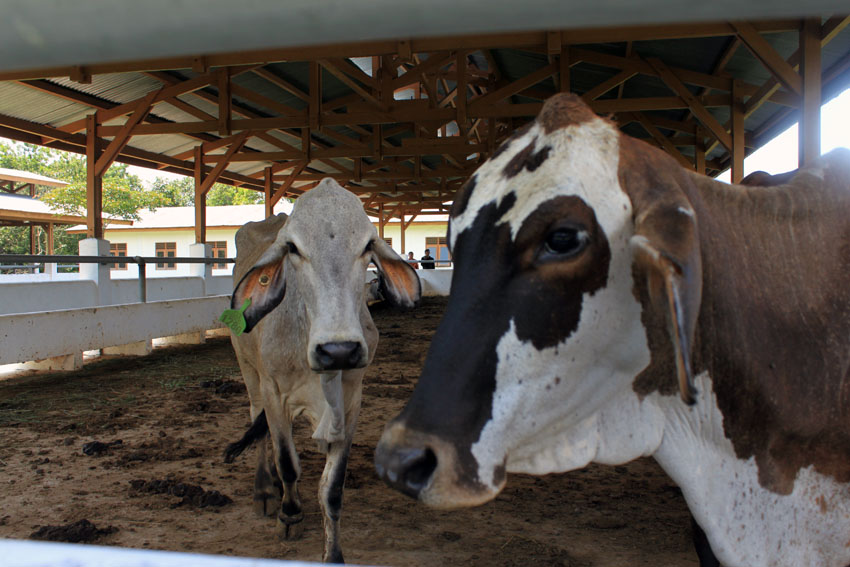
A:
{"points": [[128, 452]]}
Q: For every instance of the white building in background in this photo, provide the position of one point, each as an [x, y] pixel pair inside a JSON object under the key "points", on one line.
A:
{"points": [[170, 231]]}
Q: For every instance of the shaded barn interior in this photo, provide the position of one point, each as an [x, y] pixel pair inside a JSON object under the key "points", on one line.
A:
{"points": [[403, 123]]}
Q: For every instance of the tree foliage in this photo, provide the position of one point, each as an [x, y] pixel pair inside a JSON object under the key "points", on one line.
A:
{"points": [[123, 194]]}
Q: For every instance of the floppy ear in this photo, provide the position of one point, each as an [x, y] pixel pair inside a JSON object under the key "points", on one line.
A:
{"points": [[264, 285], [399, 282], [666, 251]]}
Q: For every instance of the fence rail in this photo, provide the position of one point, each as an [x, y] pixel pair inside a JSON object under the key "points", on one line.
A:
{"points": [[141, 261]]}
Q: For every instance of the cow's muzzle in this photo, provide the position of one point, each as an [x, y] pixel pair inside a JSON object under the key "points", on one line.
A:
{"points": [[428, 468], [338, 356]]}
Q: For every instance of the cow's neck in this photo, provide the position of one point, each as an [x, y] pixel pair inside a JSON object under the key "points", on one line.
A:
{"points": [[746, 523]]}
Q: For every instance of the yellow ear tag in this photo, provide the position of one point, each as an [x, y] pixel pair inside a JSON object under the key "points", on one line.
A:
{"points": [[235, 318]]}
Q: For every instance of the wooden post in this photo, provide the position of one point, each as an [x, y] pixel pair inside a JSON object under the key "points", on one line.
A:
{"points": [[460, 99], [33, 240], [381, 221], [565, 69], [200, 198], [699, 151], [94, 182], [810, 69], [403, 227], [738, 148], [269, 184], [50, 238]]}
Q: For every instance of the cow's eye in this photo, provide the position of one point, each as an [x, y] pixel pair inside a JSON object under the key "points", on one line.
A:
{"points": [[566, 242], [293, 249]]}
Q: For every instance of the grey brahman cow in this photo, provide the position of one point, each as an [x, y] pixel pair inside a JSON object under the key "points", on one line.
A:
{"points": [[308, 337]]}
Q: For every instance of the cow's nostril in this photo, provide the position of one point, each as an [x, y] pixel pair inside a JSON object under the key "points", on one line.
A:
{"points": [[338, 356], [406, 469]]}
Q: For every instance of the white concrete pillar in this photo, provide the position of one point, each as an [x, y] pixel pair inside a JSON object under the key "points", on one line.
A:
{"points": [[65, 362], [203, 271], [98, 273], [139, 348]]}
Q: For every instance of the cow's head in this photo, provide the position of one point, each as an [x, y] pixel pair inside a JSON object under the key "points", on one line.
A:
{"points": [[572, 253], [321, 254]]}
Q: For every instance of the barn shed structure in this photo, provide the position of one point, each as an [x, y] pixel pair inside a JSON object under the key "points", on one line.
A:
{"points": [[400, 104]]}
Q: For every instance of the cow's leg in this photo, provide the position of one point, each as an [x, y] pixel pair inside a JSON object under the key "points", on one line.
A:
{"points": [[330, 497], [267, 486], [289, 471]]}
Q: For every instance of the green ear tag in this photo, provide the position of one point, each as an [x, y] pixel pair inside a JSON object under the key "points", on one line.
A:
{"points": [[235, 318]]}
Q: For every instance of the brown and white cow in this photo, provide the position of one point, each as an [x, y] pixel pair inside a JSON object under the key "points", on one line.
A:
{"points": [[308, 339], [608, 304]]}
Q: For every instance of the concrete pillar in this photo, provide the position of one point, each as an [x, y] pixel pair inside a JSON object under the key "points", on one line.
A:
{"points": [[98, 273], [203, 271], [139, 348], [65, 362]]}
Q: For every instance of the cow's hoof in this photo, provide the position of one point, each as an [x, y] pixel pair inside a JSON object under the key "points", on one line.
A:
{"points": [[266, 505], [290, 527], [334, 556]]}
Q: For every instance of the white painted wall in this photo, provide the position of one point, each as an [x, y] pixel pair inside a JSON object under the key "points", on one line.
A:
{"points": [[143, 243]]}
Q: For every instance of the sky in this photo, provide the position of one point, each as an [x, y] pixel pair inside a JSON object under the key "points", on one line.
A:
{"points": [[780, 154]]}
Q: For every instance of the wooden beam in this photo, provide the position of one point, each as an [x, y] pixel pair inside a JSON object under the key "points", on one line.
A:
{"points": [[697, 108], [282, 83], [810, 68], [94, 182], [123, 137], [286, 185], [768, 56], [606, 86], [462, 94], [268, 191], [212, 177], [516, 86], [334, 70], [663, 141]]}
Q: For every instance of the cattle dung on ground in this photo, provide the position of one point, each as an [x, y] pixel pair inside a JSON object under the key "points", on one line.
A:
{"points": [[175, 410]]}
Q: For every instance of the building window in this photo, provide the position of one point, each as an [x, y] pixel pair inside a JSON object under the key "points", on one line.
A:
{"points": [[118, 249], [166, 250], [439, 249], [219, 250], [389, 241]]}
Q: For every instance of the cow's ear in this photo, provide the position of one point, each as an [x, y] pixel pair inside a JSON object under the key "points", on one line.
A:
{"points": [[264, 285], [666, 251], [399, 282]]}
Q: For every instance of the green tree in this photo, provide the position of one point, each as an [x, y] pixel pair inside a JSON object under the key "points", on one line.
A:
{"points": [[222, 194], [123, 193], [178, 192]]}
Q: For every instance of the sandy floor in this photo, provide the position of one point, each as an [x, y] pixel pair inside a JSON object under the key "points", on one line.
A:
{"points": [[158, 480]]}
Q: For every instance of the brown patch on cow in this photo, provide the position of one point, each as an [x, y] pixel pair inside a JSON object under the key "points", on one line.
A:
{"points": [[403, 279], [564, 110], [774, 315], [555, 287], [519, 132], [527, 158]]}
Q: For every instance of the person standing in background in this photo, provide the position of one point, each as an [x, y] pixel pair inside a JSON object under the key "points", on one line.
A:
{"points": [[427, 260]]}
